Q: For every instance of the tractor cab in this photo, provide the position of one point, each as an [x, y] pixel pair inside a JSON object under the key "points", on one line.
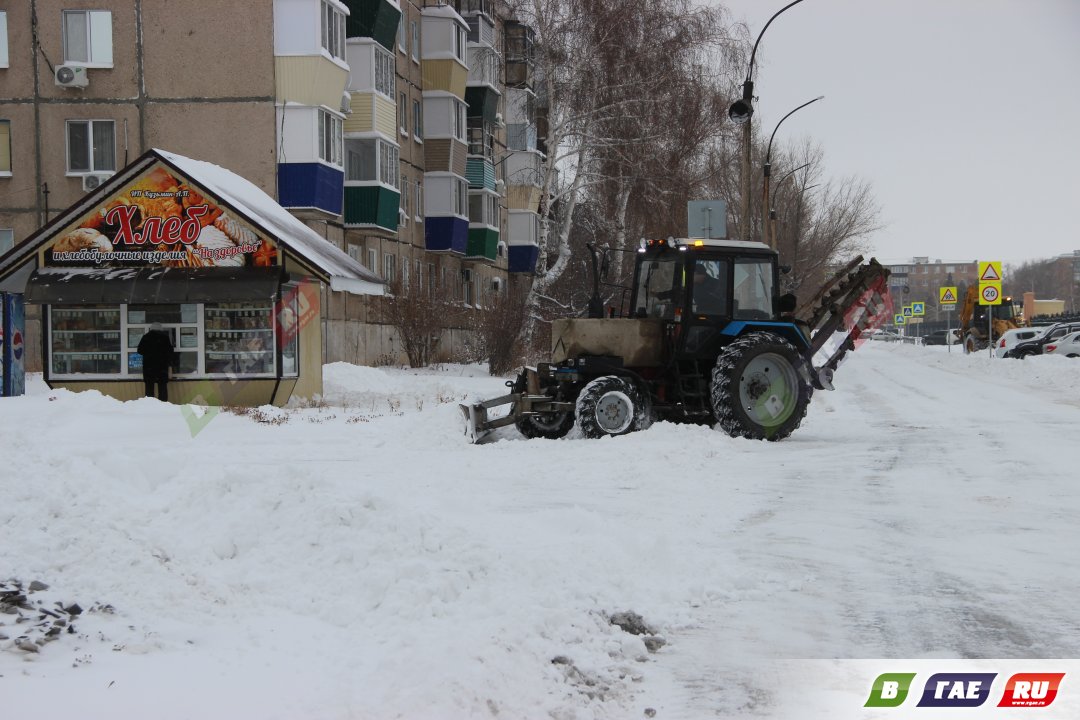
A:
{"points": [[707, 290]]}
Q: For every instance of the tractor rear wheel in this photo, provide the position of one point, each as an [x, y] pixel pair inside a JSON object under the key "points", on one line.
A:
{"points": [[610, 405], [760, 388], [552, 425]]}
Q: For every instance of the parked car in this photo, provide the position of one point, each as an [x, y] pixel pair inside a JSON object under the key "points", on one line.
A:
{"points": [[884, 335], [942, 337], [1011, 338], [1035, 346], [1069, 346]]}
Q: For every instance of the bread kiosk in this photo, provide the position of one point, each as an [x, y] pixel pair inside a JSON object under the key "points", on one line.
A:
{"points": [[233, 277]]}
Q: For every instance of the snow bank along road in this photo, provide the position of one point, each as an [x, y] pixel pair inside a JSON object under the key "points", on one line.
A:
{"points": [[360, 561]]}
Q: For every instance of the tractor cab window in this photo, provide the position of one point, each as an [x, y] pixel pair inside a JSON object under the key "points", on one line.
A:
{"points": [[710, 288], [753, 289], [659, 285]]}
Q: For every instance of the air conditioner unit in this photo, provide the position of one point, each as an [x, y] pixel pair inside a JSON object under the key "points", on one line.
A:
{"points": [[346, 103], [500, 186], [71, 76], [93, 182], [499, 120]]}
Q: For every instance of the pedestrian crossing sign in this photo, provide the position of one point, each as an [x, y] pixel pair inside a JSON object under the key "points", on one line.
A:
{"points": [[899, 320], [947, 296], [918, 309], [908, 312]]}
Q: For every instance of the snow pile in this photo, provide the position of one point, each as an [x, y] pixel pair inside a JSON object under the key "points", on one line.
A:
{"points": [[358, 559]]}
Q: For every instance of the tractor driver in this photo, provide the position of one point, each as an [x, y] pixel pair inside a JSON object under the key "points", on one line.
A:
{"points": [[710, 288]]}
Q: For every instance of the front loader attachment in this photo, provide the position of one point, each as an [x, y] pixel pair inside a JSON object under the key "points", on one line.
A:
{"points": [[855, 301]]}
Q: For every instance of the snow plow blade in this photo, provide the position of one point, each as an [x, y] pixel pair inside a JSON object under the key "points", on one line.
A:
{"points": [[477, 423]]}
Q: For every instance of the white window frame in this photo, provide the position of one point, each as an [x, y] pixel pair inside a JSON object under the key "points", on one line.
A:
{"points": [[5, 137], [97, 24], [3, 40], [419, 217], [417, 121], [332, 149], [403, 205], [419, 273], [373, 259], [389, 268], [90, 138], [387, 163], [332, 27], [405, 274], [402, 43], [7, 239], [403, 114], [385, 72], [415, 42], [460, 43]]}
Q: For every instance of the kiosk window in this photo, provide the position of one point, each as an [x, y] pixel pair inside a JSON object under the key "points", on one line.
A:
{"points": [[181, 322], [239, 339], [85, 340]]}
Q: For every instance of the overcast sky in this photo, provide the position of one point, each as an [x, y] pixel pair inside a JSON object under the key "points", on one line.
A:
{"points": [[963, 114]]}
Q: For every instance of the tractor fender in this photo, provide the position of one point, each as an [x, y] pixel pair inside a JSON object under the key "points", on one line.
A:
{"points": [[788, 331]]}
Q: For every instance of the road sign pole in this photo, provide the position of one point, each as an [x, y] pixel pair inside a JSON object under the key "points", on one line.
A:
{"points": [[990, 327], [948, 331]]}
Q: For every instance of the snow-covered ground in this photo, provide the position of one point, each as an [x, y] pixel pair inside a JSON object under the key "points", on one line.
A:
{"points": [[357, 559]]}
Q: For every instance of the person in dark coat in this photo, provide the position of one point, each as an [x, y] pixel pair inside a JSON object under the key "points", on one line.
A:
{"points": [[157, 349]]}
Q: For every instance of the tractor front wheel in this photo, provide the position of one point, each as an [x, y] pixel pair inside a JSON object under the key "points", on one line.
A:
{"points": [[760, 388], [552, 425], [610, 405]]}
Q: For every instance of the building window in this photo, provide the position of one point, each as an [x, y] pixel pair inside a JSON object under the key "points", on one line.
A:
{"points": [[417, 121], [419, 202], [371, 161], [330, 139], [3, 40], [403, 207], [419, 272], [459, 43], [402, 111], [5, 147], [415, 41], [333, 31], [460, 203], [405, 274], [384, 73], [91, 146], [467, 287], [88, 37], [459, 120], [401, 42], [7, 239], [389, 268], [373, 259]]}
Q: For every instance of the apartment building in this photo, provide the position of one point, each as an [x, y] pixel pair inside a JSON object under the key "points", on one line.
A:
{"points": [[403, 133]]}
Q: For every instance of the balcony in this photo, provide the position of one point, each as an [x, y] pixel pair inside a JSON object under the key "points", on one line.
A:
{"points": [[520, 52], [367, 205], [482, 244], [377, 19]]}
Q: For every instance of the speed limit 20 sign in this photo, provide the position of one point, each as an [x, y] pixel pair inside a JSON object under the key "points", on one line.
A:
{"points": [[990, 293]]}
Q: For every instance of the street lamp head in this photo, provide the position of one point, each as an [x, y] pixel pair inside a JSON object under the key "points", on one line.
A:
{"points": [[740, 112]]}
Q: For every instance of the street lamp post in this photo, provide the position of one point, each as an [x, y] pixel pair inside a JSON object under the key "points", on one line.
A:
{"points": [[772, 210], [768, 163], [740, 113]]}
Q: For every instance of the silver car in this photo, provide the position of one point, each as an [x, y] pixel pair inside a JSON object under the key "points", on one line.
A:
{"points": [[1069, 346]]}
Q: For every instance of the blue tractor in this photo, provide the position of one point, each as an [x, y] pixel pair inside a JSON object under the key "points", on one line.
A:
{"points": [[708, 338]]}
